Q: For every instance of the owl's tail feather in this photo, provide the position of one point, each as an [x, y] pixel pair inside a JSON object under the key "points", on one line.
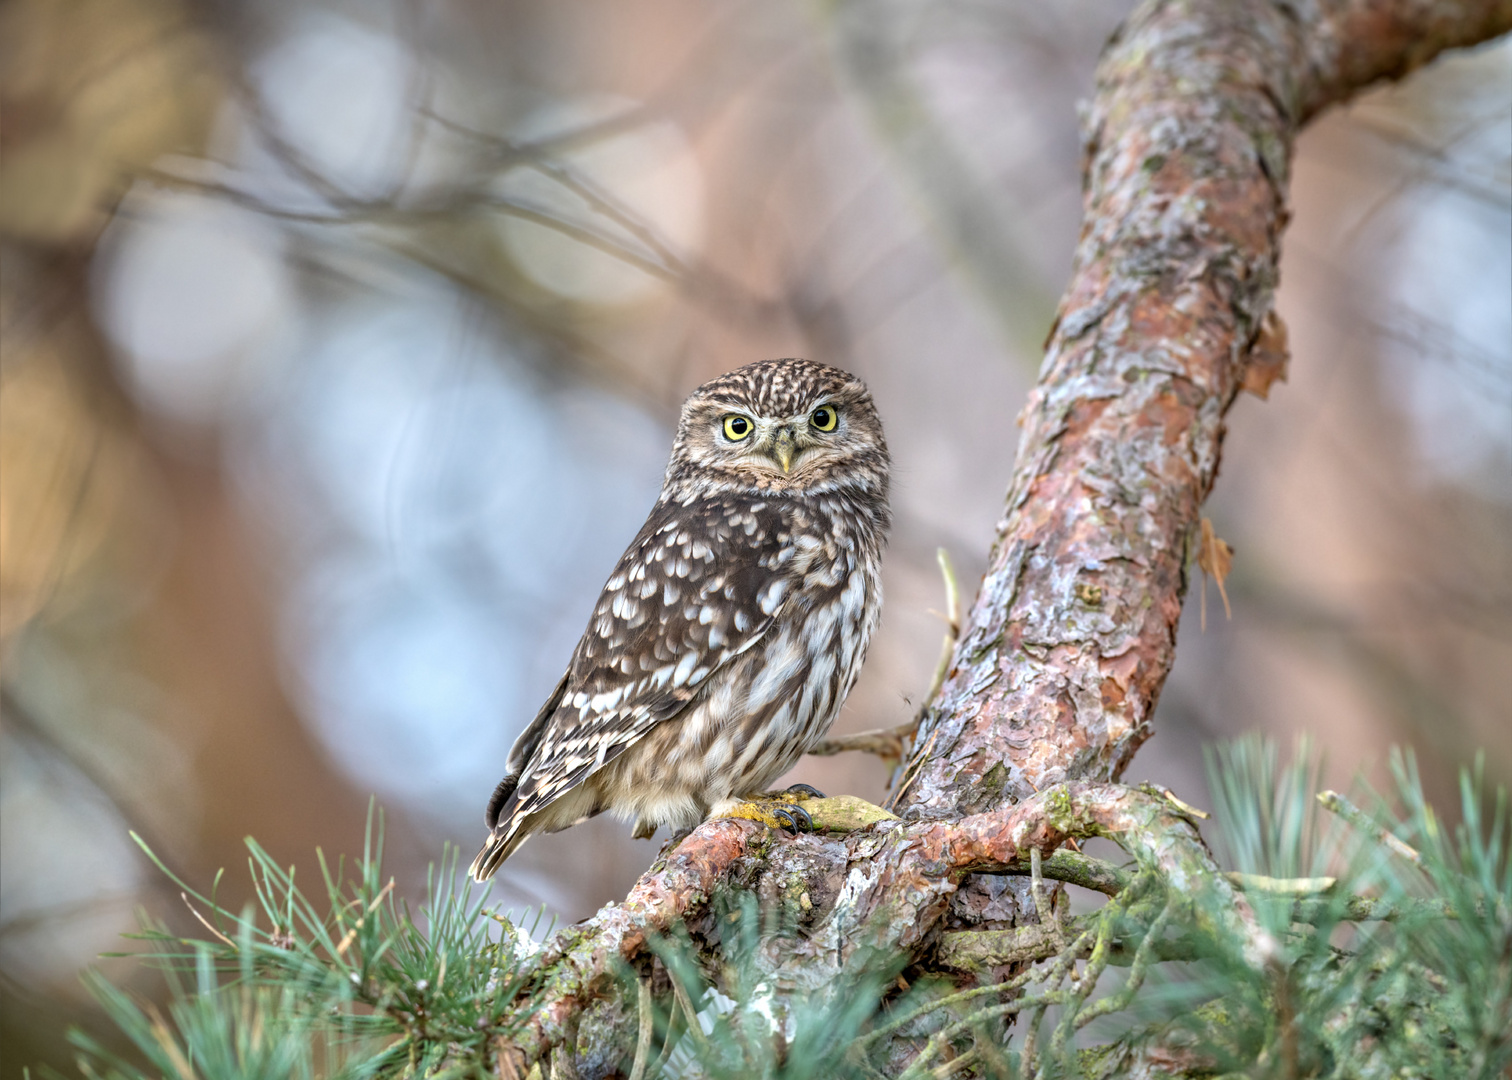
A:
{"points": [[500, 845], [502, 801], [504, 834]]}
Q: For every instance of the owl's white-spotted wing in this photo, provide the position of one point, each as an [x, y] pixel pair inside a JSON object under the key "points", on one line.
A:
{"points": [[700, 584]]}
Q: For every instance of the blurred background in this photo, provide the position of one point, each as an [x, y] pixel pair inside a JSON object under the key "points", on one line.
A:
{"points": [[342, 344]]}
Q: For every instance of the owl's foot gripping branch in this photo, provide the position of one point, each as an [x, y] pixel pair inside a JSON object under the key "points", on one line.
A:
{"points": [[882, 889], [804, 809], [775, 809]]}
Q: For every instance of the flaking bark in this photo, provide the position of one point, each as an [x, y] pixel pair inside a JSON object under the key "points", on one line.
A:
{"points": [[1188, 153], [897, 880]]}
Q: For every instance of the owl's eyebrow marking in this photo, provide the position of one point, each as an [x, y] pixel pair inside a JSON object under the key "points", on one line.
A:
{"points": [[734, 405]]}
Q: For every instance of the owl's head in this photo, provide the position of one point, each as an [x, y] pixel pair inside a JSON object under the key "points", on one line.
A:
{"points": [[781, 425]]}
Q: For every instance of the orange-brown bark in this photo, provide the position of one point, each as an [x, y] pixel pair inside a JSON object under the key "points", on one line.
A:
{"points": [[897, 879], [1188, 150]]}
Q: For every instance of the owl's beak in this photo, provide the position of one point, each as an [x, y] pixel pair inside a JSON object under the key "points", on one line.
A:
{"points": [[785, 448]]}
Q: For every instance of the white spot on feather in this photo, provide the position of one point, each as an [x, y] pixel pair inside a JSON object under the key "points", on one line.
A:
{"points": [[684, 668], [784, 657], [606, 700], [771, 596]]}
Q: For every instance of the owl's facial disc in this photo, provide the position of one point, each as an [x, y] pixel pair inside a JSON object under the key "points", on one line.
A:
{"points": [[784, 425], [761, 442], [785, 444]]}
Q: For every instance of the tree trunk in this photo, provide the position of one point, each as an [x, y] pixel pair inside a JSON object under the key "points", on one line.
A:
{"points": [[1055, 678]]}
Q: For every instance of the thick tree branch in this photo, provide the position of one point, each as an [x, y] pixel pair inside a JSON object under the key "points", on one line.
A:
{"points": [[1354, 44], [897, 884], [1189, 144]]}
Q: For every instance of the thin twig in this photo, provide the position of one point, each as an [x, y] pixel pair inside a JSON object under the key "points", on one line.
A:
{"points": [[669, 1043], [1097, 963], [979, 950], [205, 923], [1338, 804], [1031, 1038], [1076, 868], [955, 1065], [694, 1027], [913, 774], [942, 1038], [351, 934], [1042, 909], [952, 623], [1053, 975], [1186, 808], [888, 743], [1016, 983], [603, 203], [511, 152], [1307, 886], [643, 1042], [1147, 951]]}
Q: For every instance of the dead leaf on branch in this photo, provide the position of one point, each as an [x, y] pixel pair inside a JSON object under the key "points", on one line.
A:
{"points": [[1216, 558], [1268, 357]]}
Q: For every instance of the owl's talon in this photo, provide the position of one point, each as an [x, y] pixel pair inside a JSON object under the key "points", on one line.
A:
{"points": [[787, 796], [794, 818], [771, 813]]}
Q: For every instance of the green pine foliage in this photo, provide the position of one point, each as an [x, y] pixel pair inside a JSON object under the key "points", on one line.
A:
{"points": [[1424, 992], [730, 1022], [1385, 951], [351, 985]]}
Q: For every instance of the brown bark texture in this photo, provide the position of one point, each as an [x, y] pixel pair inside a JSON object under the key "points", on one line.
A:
{"points": [[1060, 662], [1188, 151]]}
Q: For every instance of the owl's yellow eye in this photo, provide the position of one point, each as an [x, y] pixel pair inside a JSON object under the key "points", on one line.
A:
{"points": [[824, 418], [737, 427]]}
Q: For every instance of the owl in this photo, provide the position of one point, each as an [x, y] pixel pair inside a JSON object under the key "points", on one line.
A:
{"points": [[732, 628]]}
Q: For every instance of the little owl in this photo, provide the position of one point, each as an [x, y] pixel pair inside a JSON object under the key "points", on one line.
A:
{"points": [[731, 629]]}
